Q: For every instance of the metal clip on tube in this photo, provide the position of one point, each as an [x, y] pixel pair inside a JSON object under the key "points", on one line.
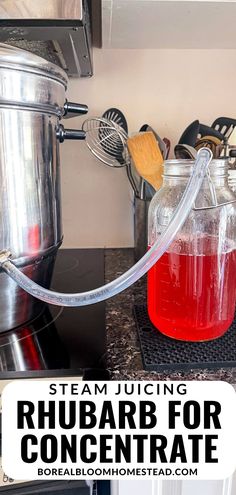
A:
{"points": [[181, 213]]}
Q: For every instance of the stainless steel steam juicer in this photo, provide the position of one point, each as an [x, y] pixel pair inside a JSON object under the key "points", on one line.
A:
{"points": [[32, 103]]}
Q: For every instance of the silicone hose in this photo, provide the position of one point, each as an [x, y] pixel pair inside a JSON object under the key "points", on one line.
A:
{"points": [[181, 213]]}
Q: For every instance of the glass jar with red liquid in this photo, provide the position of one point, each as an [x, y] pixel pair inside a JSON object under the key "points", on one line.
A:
{"points": [[192, 287]]}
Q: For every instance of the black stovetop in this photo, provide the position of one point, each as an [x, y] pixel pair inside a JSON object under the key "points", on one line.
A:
{"points": [[62, 340]]}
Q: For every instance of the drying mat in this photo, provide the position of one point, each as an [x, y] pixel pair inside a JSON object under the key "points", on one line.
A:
{"points": [[160, 353]]}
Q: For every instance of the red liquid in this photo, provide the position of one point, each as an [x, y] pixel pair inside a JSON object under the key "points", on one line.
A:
{"points": [[192, 297]]}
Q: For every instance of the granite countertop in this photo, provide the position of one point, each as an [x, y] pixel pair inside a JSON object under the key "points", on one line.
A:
{"points": [[123, 349]]}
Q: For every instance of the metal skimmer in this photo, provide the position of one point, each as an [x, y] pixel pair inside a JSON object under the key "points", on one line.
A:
{"points": [[107, 141]]}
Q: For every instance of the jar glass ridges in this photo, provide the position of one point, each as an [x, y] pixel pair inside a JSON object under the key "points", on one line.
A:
{"points": [[192, 288]]}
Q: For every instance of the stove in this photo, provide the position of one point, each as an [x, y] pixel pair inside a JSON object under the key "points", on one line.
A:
{"points": [[68, 343], [62, 341]]}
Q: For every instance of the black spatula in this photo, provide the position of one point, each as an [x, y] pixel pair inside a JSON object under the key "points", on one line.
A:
{"points": [[190, 134], [225, 125]]}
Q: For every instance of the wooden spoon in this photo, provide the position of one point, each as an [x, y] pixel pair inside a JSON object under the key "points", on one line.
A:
{"points": [[147, 157]]}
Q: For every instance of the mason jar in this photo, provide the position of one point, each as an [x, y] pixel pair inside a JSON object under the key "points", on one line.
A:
{"points": [[192, 287]]}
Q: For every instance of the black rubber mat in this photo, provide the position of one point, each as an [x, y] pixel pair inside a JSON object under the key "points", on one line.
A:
{"points": [[160, 353]]}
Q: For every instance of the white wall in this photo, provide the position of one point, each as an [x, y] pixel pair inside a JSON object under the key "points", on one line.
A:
{"points": [[166, 89]]}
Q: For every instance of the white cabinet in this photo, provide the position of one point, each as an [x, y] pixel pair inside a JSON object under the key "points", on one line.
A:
{"points": [[168, 24]]}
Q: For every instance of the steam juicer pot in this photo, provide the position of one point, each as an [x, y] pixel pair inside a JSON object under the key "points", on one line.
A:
{"points": [[32, 102]]}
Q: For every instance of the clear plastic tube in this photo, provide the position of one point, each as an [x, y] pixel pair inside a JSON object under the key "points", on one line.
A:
{"points": [[204, 157]]}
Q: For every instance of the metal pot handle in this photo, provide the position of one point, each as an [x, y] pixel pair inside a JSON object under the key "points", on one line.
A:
{"points": [[71, 110], [74, 109], [74, 134]]}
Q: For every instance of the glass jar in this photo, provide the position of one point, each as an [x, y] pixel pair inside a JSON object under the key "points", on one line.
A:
{"points": [[192, 287]]}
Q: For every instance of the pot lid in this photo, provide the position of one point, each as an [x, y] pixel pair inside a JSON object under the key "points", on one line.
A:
{"points": [[17, 59]]}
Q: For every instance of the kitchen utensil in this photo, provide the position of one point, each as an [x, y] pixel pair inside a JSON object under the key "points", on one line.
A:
{"points": [[146, 191], [211, 142], [190, 134], [115, 137], [184, 152], [205, 130], [141, 207], [168, 144], [183, 301], [147, 157], [114, 154], [224, 125], [231, 151], [149, 191], [213, 139], [144, 128], [32, 102], [115, 115], [111, 142], [232, 138], [227, 127], [162, 146], [210, 138]]}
